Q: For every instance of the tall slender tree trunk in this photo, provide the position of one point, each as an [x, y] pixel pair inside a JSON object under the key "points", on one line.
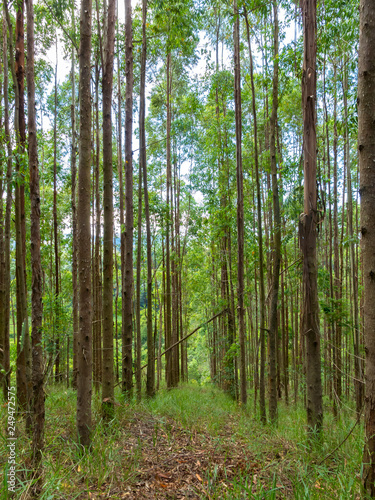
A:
{"points": [[168, 305], [58, 375], [366, 147], [230, 359], [5, 258], [23, 338], [96, 230], [138, 349], [226, 322], [150, 384], [74, 215], [336, 262], [158, 363], [36, 267], [122, 215], [256, 340], [84, 352], [358, 383], [116, 310], [308, 223], [285, 349], [273, 322], [262, 306], [330, 332], [128, 281], [240, 207], [174, 272], [180, 257], [108, 375], [164, 307], [214, 347], [121, 192]]}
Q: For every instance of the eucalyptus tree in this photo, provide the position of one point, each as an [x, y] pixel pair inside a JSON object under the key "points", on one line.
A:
{"points": [[108, 375], [150, 386], [97, 285], [84, 344], [350, 159], [354, 264], [308, 223], [36, 267], [5, 241], [127, 265], [341, 62], [273, 322], [121, 192], [262, 400], [23, 336], [169, 339], [73, 163], [58, 374], [138, 339], [121, 207], [240, 204], [366, 134]]}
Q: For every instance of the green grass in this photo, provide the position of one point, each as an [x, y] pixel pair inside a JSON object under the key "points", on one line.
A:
{"points": [[218, 447]]}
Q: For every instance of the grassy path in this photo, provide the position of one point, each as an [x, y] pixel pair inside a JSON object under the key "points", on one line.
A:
{"points": [[189, 443]]}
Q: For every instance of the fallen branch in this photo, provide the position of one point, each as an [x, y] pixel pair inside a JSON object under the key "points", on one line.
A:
{"points": [[189, 335], [183, 339], [346, 437]]}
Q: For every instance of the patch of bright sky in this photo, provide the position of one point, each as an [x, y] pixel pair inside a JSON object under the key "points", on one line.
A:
{"points": [[65, 64]]}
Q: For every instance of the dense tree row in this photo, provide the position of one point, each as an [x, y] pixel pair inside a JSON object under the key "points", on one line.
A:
{"points": [[197, 166]]}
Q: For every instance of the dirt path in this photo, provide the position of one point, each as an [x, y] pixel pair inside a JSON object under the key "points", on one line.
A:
{"points": [[174, 463]]}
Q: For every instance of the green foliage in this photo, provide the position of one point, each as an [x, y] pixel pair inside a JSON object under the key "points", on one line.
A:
{"points": [[197, 35], [271, 462]]}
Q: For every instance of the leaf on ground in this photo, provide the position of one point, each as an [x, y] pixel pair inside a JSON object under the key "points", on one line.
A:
{"points": [[163, 475]]}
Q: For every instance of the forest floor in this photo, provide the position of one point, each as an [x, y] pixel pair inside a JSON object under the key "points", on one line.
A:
{"points": [[189, 443]]}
